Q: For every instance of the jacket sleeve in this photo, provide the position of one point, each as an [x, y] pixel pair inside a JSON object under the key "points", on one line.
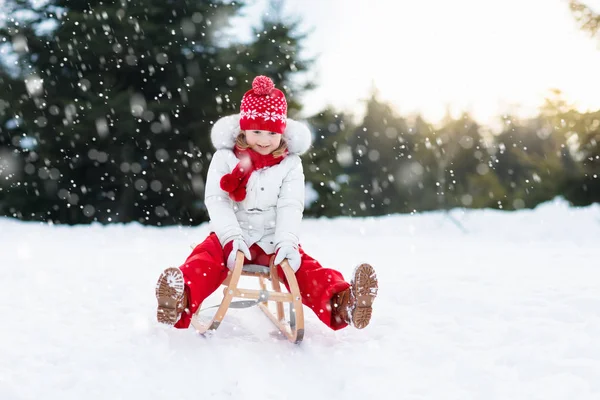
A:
{"points": [[290, 206], [220, 207]]}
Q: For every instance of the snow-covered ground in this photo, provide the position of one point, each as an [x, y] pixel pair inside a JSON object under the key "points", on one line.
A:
{"points": [[506, 307]]}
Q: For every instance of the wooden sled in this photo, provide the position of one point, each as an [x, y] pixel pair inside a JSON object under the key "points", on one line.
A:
{"points": [[292, 328]]}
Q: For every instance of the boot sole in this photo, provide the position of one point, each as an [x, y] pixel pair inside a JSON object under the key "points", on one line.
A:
{"points": [[169, 294], [364, 286]]}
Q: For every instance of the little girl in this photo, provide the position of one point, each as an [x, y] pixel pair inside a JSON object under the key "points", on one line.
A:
{"points": [[255, 199]]}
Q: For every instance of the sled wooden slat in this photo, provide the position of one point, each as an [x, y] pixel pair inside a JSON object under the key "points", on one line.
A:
{"points": [[297, 333], [263, 285], [294, 334], [277, 287], [234, 278], [256, 294], [293, 329]]}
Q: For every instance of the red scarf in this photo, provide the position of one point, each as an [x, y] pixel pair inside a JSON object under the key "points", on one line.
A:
{"points": [[250, 161]]}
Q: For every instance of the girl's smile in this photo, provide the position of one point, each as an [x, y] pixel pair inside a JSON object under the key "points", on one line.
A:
{"points": [[263, 142]]}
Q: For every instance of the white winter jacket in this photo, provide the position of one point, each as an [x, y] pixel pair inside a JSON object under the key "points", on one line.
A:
{"points": [[271, 213]]}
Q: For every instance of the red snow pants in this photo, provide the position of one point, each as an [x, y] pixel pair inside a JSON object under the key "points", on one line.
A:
{"points": [[205, 270]]}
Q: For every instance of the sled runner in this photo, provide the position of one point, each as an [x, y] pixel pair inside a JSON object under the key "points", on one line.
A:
{"points": [[292, 326]]}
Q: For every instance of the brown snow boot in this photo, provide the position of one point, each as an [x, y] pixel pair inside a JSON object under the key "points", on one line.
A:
{"points": [[355, 304], [341, 307], [171, 296], [364, 290]]}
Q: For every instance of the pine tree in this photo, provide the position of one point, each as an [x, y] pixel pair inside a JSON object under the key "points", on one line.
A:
{"points": [[578, 135], [586, 189], [326, 163], [276, 52], [382, 173], [465, 174], [114, 101], [531, 162]]}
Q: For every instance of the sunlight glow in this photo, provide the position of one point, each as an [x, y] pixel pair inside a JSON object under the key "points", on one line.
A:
{"points": [[486, 57]]}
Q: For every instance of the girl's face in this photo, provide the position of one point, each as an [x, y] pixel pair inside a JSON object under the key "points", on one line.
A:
{"points": [[263, 142]]}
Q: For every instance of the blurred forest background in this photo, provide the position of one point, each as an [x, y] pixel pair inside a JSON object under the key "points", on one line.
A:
{"points": [[106, 109]]}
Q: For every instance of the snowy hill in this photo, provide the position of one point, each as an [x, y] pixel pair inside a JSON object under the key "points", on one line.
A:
{"points": [[476, 305]]}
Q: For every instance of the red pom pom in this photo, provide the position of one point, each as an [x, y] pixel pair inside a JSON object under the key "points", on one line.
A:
{"points": [[229, 183], [238, 195], [262, 85]]}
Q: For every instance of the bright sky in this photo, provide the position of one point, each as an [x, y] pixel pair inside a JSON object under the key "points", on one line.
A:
{"points": [[487, 57]]}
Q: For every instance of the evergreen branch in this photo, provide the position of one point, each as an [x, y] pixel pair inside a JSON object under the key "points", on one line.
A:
{"points": [[587, 18]]}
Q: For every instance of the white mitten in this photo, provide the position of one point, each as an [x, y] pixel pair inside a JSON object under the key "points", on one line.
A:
{"points": [[289, 251], [238, 244]]}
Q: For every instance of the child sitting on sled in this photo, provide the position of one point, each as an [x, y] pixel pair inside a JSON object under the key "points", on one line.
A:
{"points": [[255, 199]]}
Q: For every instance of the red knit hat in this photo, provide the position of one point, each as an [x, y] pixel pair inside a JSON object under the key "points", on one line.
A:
{"points": [[263, 107]]}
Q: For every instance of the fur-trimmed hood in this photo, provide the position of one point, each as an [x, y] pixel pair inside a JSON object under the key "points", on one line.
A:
{"points": [[226, 129]]}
